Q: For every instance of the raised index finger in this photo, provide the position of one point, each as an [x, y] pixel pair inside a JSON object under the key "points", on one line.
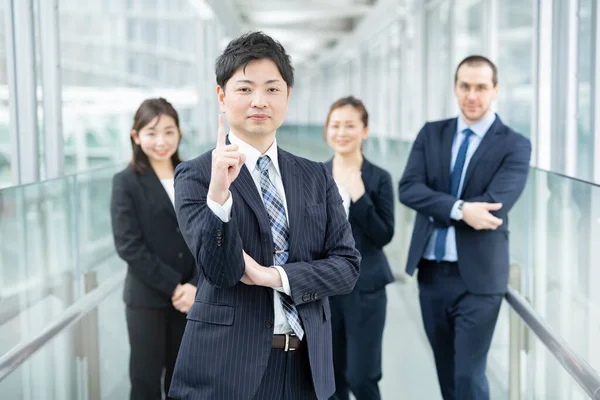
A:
{"points": [[221, 135]]}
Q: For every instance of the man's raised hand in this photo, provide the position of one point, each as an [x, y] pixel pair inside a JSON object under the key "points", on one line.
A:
{"points": [[226, 164]]}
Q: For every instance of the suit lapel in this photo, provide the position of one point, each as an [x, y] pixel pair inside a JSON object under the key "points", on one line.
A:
{"points": [[490, 140], [366, 172], [447, 139], [292, 184], [246, 189], [157, 191]]}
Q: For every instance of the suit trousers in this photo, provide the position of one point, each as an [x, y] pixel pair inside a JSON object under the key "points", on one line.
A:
{"points": [[287, 376], [154, 338], [459, 326], [357, 323]]}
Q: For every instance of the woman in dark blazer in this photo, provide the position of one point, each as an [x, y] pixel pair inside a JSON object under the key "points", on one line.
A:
{"points": [[161, 278], [358, 318]]}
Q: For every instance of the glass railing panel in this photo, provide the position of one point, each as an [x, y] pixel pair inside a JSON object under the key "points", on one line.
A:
{"points": [[555, 231], [544, 377], [87, 360]]}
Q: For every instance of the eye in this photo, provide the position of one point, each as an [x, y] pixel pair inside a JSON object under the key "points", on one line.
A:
{"points": [[244, 90], [274, 90]]}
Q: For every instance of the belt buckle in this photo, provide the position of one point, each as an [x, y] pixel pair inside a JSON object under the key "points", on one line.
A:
{"points": [[287, 342]]}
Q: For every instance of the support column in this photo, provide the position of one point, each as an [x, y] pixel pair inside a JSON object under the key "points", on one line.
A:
{"points": [[52, 89], [22, 89]]}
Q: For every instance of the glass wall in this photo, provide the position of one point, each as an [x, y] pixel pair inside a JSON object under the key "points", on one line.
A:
{"points": [[585, 67], [103, 59], [114, 55], [5, 144], [515, 64], [439, 67], [546, 85]]}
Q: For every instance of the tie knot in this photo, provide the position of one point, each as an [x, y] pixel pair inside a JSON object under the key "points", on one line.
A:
{"points": [[263, 163], [468, 132]]}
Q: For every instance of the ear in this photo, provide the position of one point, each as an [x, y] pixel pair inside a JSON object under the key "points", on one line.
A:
{"points": [[496, 90], [221, 98], [134, 136], [365, 133], [455, 89], [289, 92]]}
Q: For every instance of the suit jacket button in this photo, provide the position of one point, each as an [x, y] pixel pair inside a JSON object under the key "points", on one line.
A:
{"points": [[177, 230], [180, 255], [306, 297], [269, 324]]}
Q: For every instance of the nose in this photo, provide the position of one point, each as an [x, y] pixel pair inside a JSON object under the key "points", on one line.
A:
{"points": [[259, 100], [472, 95], [160, 139]]}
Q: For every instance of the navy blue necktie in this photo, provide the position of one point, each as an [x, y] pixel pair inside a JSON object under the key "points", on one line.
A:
{"points": [[461, 157]]}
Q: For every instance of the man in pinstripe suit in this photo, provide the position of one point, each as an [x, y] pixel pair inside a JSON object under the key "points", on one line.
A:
{"points": [[271, 241]]}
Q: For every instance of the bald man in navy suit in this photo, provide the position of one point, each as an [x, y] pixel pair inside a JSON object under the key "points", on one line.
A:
{"points": [[271, 241]]}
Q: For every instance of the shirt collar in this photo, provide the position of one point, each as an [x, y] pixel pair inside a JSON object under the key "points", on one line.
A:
{"points": [[252, 154], [479, 128]]}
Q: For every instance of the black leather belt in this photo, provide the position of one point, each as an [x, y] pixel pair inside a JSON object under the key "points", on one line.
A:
{"points": [[287, 342]]}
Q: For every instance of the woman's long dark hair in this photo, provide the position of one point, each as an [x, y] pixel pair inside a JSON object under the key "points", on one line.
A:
{"points": [[147, 111]]}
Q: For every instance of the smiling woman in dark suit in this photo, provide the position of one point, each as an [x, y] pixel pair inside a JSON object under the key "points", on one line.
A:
{"points": [[358, 318], [161, 281]]}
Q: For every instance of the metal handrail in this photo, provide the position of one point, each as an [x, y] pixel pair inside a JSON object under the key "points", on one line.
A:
{"points": [[576, 366], [21, 352]]}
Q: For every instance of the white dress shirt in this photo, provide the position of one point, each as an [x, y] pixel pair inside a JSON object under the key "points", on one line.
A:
{"points": [[346, 200], [169, 186], [224, 213]]}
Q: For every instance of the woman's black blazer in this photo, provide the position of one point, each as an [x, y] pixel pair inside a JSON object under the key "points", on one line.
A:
{"points": [[147, 237], [372, 221]]}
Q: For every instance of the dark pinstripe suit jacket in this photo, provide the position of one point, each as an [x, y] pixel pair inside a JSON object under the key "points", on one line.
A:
{"points": [[227, 341]]}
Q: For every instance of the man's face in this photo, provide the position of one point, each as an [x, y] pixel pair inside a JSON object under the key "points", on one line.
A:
{"points": [[475, 91], [255, 99]]}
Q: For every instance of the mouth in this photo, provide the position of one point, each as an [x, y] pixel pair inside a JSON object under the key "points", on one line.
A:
{"points": [[258, 117], [162, 153]]}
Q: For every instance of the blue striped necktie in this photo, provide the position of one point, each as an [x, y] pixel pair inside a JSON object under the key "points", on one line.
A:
{"points": [[459, 164], [280, 232]]}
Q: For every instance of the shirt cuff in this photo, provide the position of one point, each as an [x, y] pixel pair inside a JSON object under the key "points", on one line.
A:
{"points": [[454, 214], [284, 280], [221, 211]]}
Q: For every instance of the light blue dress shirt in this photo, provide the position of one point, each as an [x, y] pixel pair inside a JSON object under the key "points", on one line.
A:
{"points": [[480, 128]]}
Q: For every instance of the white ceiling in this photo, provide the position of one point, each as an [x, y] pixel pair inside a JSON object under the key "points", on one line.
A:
{"points": [[306, 28]]}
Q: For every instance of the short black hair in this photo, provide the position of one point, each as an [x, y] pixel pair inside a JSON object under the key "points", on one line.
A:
{"points": [[476, 60], [253, 46]]}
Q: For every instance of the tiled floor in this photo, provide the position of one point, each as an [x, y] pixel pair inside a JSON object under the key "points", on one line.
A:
{"points": [[408, 367]]}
